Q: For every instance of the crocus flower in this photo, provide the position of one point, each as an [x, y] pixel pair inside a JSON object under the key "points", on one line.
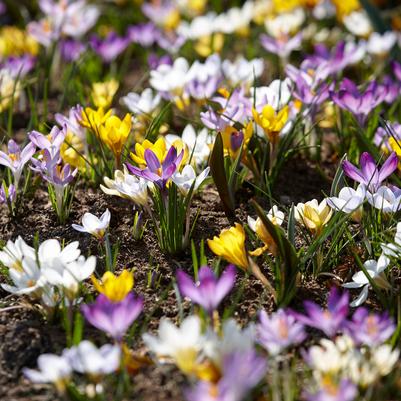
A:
{"points": [[313, 215], [51, 369], [110, 47], [350, 98], [127, 186], [52, 142], [94, 225], [210, 290], [349, 199], [386, 199], [115, 288], [329, 320], [103, 92], [145, 34], [15, 159], [19, 67], [375, 269], [372, 329], [144, 103], [13, 253], [279, 331], [7, 194], [180, 344], [242, 371], [393, 249], [86, 358], [71, 49], [188, 179], [271, 122], [230, 245], [158, 148], [282, 46], [370, 174], [114, 318], [156, 172], [330, 391]]}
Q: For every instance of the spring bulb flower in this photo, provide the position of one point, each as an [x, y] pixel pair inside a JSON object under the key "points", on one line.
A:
{"points": [[103, 93], [349, 200], [230, 245], [115, 288], [187, 179], [271, 121], [158, 148], [313, 215], [93, 119], [94, 225]]}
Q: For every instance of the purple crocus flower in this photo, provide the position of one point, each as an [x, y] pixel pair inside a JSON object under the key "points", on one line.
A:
{"points": [[7, 194], [396, 66], [279, 331], [51, 142], [329, 320], [154, 60], [242, 371], [110, 47], [19, 67], [359, 103], [114, 318], [344, 391], [210, 290], [145, 34], [372, 329], [71, 49], [382, 135], [155, 172], [283, 48], [15, 159], [369, 173]]}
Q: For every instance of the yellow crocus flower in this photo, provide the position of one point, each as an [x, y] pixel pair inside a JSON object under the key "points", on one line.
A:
{"points": [[103, 93], [285, 6], [206, 45], [92, 119], [114, 133], [313, 215], [16, 42], [230, 245], [344, 8], [232, 139], [71, 151], [158, 148], [115, 288], [271, 121]]}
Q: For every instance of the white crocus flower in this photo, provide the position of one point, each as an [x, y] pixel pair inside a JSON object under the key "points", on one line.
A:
{"points": [[358, 23], [285, 24], [187, 178], [94, 225], [51, 369], [200, 26], [144, 103], [385, 199], [381, 44], [277, 94], [87, 359], [242, 71], [13, 253], [384, 358], [127, 186], [180, 344], [348, 199], [170, 78], [393, 249], [50, 252], [198, 143], [28, 280], [375, 269], [68, 276], [275, 215]]}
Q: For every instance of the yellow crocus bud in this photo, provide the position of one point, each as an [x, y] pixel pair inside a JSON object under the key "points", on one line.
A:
{"points": [[230, 245], [115, 288], [313, 215]]}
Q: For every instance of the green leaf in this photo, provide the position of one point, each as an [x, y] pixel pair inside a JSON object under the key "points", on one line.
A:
{"points": [[219, 176]]}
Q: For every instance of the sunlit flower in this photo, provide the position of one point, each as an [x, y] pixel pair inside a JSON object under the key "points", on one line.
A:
{"points": [[92, 119], [115, 288], [345, 390], [313, 215], [10, 89], [242, 71], [158, 148], [386, 199], [103, 93], [94, 225], [187, 179], [277, 218], [271, 122], [179, 344], [349, 200], [144, 103], [127, 186], [230, 245], [110, 47]]}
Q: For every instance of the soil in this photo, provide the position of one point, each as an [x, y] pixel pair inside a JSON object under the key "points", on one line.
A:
{"points": [[24, 334]]}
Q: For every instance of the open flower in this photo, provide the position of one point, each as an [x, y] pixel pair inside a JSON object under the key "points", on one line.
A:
{"points": [[348, 200], [188, 179], [13, 253], [386, 199], [103, 93], [114, 133], [158, 148], [230, 245], [210, 290], [51, 369], [313, 215], [179, 344], [375, 269], [92, 119], [277, 218], [127, 186], [94, 225], [370, 174], [271, 122], [345, 390], [279, 331], [114, 318], [114, 287]]}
